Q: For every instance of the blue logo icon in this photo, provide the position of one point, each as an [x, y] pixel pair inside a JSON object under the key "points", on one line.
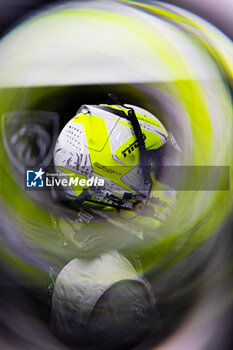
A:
{"points": [[35, 178]]}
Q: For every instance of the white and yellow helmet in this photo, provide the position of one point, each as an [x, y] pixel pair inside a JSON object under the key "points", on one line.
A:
{"points": [[105, 142]]}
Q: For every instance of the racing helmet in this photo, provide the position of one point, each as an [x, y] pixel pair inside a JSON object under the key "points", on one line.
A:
{"points": [[109, 145]]}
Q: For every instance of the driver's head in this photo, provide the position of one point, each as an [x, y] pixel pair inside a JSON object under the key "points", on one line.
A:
{"points": [[107, 149]]}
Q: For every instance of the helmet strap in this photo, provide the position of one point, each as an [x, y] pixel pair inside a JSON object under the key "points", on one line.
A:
{"points": [[144, 157]]}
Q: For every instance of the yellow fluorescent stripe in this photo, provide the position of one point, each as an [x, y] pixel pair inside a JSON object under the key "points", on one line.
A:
{"points": [[142, 118], [153, 140], [100, 150]]}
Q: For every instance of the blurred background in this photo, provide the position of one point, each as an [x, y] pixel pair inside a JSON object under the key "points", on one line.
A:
{"points": [[189, 269], [220, 14]]}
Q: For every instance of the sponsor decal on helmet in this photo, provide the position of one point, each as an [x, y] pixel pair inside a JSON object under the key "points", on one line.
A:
{"points": [[128, 150], [106, 169]]}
